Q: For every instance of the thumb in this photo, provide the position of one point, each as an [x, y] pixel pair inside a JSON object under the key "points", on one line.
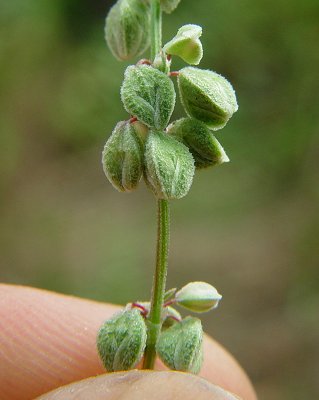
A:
{"points": [[137, 385]]}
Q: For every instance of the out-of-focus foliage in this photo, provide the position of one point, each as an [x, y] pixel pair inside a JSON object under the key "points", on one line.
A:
{"points": [[251, 227]]}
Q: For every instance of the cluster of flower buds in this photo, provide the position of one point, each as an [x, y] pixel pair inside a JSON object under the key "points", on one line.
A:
{"points": [[146, 146], [122, 339]]}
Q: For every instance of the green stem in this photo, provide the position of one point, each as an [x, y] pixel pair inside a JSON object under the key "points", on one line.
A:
{"points": [[156, 28], [159, 282]]}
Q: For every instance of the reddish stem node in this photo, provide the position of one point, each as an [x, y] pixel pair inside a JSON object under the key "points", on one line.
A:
{"points": [[174, 318], [142, 308], [169, 302], [144, 61], [174, 73], [133, 119]]}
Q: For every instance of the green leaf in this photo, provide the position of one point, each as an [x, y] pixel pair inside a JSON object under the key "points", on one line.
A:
{"points": [[169, 166], [149, 95], [207, 96], [180, 346], [186, 44], [203, 145], [127, 28], [122, 157], [121, 341]]}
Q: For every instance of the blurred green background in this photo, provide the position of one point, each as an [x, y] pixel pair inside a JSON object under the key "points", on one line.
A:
{"points": [[250, 227]]}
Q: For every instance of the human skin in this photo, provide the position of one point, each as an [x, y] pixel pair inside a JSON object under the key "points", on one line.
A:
{"points": [[47, 340]]}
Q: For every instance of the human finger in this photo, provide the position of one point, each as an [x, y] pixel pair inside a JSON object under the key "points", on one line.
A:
{"points": [[48, 340], [137, 385]]}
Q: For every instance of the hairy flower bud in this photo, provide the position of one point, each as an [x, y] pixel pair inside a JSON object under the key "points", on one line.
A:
{"points": [[122, 156], [186, 44], [149, 95], [207, 96], [180, 346], [121, 341], [162, 62], [203, 145], [169, 166], [169, 5], [127, 28], [198, 297]]}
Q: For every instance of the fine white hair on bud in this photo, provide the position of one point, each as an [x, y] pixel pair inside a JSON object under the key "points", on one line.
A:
{"points": [[207, 96], [121, 341], [169, 166], [186, 44], [122, 157], [180, 346], [201, 142], [198, 297], [149, 95], [127, 28]]}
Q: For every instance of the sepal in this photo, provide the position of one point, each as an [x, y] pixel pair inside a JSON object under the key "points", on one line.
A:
{"points": [[169, 6], [127, 28], [207, 96], [121, 341], [180, 346], [149, 95], [122, 157], [203, 145], [169, 166]]}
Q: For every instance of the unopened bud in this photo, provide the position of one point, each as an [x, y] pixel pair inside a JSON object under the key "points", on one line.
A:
{"points": [[186, 44], [149, 95], [162, 62], [170, 316], [121, 341], [207, 96], [122, 156], [203, 145], [180, 346], [169, 166], [198, 297], [127, 29]]}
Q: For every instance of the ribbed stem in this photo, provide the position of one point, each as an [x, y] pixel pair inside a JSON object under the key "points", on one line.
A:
{"points": [[159, 282], [156, 28]]}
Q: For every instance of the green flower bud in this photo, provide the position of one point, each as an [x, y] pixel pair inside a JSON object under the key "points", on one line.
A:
{"points": [[127, 29], [203, 145], [207, 96], [180, 346], [170, 312], [122, 156], [149, 95], [162, 62], [169, 294], [121, 341], [170, 317], [186, 44], [198, 297], [169, 5], [169, 166]]}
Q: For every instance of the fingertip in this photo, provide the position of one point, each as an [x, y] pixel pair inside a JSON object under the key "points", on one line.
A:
{"points": [[136, 385]]}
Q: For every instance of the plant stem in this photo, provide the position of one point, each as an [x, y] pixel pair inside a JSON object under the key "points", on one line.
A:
{"points": [[159, 282], [156, 28]]}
